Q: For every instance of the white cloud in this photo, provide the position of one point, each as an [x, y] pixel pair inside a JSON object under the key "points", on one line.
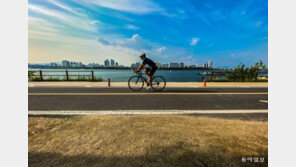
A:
{"points": [[38, 24], [103, 41], [136, 37], [65, 7], [78, 49], [194, 41], [188, 57], [37, 34], [95, 22], [188, 60], [74, 21], [45, 11], [131, 6], [36, 20], [136, 42], [161, 49], [131, 27]]}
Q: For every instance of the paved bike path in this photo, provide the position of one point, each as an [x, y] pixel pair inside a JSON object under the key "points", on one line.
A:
{"points": [[126, 90], [54, 99]]}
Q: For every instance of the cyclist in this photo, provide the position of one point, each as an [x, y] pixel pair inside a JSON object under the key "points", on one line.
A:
{"points": [[148, 71]]}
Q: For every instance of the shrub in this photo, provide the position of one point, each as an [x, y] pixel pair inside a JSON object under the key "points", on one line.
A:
{"points": [[240, 73]]}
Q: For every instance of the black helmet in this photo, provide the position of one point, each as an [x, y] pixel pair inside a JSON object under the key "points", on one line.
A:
{"points": [[143, 55]]}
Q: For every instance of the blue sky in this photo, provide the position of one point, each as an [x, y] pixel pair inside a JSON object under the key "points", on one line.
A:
{"points": [[192, 31]]}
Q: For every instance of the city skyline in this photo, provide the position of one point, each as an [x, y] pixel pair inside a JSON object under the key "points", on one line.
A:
{"points": [[108, 63], [187, 31]]}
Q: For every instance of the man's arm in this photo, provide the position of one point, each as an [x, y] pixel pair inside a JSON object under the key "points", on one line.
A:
{"points": [[140, 68]]}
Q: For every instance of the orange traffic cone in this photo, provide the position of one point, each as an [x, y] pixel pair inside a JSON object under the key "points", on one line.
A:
{"points": [[205, 84]]}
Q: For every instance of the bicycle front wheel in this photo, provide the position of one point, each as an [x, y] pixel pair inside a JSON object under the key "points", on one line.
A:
{"points": [[135, 83], [158, 83]]}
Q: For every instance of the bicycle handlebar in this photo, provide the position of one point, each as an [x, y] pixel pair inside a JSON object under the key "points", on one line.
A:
{"points": [[139, 72]]}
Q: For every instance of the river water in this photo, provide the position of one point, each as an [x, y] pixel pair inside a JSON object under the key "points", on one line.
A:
{"points": [[124, 75]]}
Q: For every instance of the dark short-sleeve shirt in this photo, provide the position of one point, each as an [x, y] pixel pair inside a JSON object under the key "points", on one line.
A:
{"points": [[149, 62]]}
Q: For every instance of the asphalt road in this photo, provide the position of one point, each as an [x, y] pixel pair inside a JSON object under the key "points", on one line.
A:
{"points": [[84, 98]]}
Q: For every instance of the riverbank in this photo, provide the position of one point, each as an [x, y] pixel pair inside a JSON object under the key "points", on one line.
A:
{"points": [[169, 84], [124, 75]]}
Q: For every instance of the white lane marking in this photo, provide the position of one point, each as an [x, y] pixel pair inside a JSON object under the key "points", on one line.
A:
{"points": [[263, 101], [140, 112], [88, 86]]}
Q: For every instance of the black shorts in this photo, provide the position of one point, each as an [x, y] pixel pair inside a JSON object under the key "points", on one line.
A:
{"points": [[151, 70]]}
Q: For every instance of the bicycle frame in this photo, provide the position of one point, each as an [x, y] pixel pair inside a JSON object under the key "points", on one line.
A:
{"points": [[141, 76], [155, 82]]}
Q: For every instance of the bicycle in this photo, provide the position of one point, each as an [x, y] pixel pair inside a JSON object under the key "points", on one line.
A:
{"points": [[136, 83]]}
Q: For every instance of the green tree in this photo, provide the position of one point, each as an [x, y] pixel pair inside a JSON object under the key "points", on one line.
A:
{"points": [[31, 74], [242, 73]]}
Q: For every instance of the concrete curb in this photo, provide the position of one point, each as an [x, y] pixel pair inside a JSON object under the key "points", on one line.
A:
{"points": [[140, 112]]}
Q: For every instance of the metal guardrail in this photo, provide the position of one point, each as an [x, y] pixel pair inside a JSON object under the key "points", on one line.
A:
{"points": [[67, 75]]}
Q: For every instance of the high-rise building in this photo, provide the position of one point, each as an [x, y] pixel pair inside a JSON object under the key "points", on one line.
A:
{"points": [[93, 65], [79, 64], [173, 65], [52, 64], [135, 65], [181, 65], [65, 63], [112, 62], [116, 64], [158, 65], [73, 64], [106, 63], [205, 65], [165, 66], [210, 64]]}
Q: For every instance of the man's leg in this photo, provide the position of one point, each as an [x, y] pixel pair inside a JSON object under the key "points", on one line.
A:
{"points": [[150, 80], [152, 71], [147, 73]]}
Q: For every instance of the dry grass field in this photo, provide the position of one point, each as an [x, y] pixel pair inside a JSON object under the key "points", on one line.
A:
{"points": [[145, 140]]}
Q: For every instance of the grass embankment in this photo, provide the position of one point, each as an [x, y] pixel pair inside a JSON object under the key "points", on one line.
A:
{"points": [[145, 141]]}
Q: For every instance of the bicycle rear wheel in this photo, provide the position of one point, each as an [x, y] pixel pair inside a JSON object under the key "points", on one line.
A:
{"points": [[158, 83], [135, 83]]}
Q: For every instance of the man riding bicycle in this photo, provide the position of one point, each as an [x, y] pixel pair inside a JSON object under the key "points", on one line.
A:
{"points": [[148, 71]]}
